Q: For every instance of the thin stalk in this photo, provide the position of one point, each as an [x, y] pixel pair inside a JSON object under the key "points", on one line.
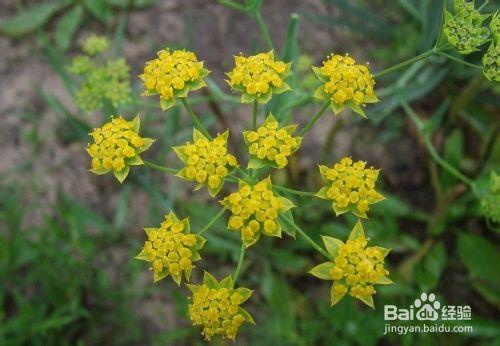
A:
{"points": [[294, 192], [314, 119], [263, 30], [254, 118], [406, 62], [240, 262], [432, 151], [483, 5], [211, 223], [160, 168], [460, 61], [196, 122], [305, 236]]}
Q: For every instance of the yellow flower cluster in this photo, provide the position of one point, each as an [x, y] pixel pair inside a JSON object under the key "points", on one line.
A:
{"points": [[207, 161], [345, 83], [216, 307], [270, 145], [350, 187], [355, 268], [173, 75], [171, 249], [117, 145], [255, 210], [257, 77]]}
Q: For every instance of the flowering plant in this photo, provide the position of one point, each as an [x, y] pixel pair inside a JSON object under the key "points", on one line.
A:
{"points": [[257, 206]]}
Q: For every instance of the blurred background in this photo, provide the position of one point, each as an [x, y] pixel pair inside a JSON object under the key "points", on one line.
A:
{"points": [[68, 237]]}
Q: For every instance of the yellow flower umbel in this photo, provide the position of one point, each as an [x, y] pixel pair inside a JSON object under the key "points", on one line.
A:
{"points": [[171, 249], [350, 187], [207, 161], [117, 146], [259, 76], [255, 210], [270, 145], [216, 307], [173, 75], [345, 83], [355, 268]]}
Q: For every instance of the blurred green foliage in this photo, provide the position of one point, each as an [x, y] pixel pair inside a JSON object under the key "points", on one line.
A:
{"points": [[58, 284]]}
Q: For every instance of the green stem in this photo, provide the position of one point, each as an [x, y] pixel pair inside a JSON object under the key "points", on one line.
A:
{"points": [[263, 30], [254, 118], [211, 223], [407, 62], [314, 119], [240, 262], [432, 151], [483, 5], [460, 61], [294, 192], [160, 168], [196, 122], [306, 237]]}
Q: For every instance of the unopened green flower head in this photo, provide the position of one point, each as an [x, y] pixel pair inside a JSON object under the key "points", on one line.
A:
{"points": [[350, 186], [255, 210], [270, 145], [345, 83], [215, 306], [103, 81], [116, 146], [172, 75], [258, 77], [491, 62], [490, 203], [464, 29], [94, 45], [354, 267], [171, 249], [207, 161]]}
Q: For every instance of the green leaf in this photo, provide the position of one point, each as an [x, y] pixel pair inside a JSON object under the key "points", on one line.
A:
{"points": [[197, 135], [357, 108], [179, 151], [266, 97], [337, 108], [166, 104], [384, 280], [481, 257], [256, 163], [67, 26], [357, 231], [135, 161], [246, 315], [317, 72], [160, 276], [322, 192], [287, 204], [320, 93], [209, 280], [245, 292], [247, 98], [368, 301], [147, 143], [322, 270], [281, 89], [197, 84], [227, 282], [31, 19], [335, 297], [143, 257], [332, 245], [121, 175], [99, 8]]}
